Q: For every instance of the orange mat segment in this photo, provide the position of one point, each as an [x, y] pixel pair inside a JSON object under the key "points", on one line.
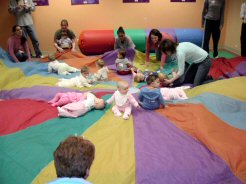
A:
{"points": [[197, 121]]}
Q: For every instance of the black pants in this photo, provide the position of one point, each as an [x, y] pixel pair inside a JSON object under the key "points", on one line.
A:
{"points": [[243, 40], [194, 73], [212, 27], [21, 56]]}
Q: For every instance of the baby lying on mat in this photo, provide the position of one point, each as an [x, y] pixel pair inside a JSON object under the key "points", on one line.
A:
{"points": [[74, 104], [83, 80], [174, 93], [139, 76], [61, 68]]}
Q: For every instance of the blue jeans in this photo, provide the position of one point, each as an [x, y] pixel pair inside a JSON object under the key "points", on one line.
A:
{"points": [[30, 31], [194, 73]]}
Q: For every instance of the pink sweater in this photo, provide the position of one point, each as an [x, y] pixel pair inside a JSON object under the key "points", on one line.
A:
{"points": [[150, 46], [177, 93], [79, 108], [61, 99], [14, 45]]}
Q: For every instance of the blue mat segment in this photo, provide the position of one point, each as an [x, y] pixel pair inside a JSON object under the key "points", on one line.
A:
{"points": [[230, 110], [31, 68], [190, 35]]}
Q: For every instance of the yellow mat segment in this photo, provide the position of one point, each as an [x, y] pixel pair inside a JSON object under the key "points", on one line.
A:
{"points": [[115, 156]]}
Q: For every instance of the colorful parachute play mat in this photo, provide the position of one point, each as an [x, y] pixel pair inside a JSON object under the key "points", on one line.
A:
{"points": [[198, 140]]}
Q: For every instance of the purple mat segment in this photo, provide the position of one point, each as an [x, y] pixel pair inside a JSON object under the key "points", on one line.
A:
{"points": [[45, 93], [240, 70], [163, 30], [110, 57], [165, 154]]}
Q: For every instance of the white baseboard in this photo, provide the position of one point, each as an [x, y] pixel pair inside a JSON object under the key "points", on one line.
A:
{"points": [[232, 50]]}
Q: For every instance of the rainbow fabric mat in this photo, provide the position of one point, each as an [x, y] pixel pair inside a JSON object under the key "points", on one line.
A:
{"points": [[198, 140]]}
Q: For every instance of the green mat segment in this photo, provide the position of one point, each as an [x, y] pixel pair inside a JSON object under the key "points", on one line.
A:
{"points": [[138, 36], [26, 146], [223, 54]]}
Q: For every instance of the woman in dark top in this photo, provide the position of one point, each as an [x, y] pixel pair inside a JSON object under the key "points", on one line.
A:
{"points": [[212, 21]]}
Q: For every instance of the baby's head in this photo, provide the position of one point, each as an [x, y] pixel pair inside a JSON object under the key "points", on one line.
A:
{"points": [[153, 81], [121, 53], [52, 57], [64, 34], [99, 103], [85, 71], [139, 77], [100, 63], [123, 87], [162, 76]]}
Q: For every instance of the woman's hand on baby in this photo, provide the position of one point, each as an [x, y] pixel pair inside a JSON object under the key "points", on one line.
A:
{"points": [[167, 81]]}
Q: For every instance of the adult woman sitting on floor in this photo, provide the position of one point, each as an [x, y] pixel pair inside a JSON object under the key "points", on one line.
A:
{"points": [[123, 41], [187, 52], [18, 48]]}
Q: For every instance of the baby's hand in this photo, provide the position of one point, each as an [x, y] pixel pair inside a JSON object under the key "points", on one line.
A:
{"points": [[138, 106], [60, 49]]}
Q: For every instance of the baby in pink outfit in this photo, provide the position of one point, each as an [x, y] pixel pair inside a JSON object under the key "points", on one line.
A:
{"points": [[73, 104], [61, 99], [177, 93], [123, 100]]}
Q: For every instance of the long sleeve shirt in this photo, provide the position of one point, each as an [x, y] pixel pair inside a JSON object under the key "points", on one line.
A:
{"points": [[122, 100], [126, 44], [151, 98], [122, 64], [102, 74], [213, 10], [14, 45], [150, 45], [189, 52], [23, 15], [243, 12]]}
